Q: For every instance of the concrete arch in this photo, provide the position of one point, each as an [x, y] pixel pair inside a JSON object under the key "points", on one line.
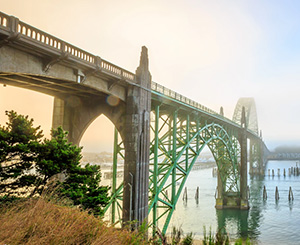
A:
{"points": [[250, 111], [75, 105], [100, 130], [75, 115]]}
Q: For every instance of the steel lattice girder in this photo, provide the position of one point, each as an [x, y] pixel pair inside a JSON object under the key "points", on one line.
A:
{"points": [[116, 198], [176, 143], [176, 146], [255, 155], [251, 115]]}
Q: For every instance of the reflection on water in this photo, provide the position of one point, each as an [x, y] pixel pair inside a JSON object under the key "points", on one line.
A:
{"points": [[233, 221], [267, 221]]}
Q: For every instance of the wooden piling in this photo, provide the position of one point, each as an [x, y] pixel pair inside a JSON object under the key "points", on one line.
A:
{"points": [[276, 194], [197, 194], [265, 196], [184, 198], [291, 196]]}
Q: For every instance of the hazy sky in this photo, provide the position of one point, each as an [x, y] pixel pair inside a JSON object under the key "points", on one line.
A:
{"points": [[213, 52]]}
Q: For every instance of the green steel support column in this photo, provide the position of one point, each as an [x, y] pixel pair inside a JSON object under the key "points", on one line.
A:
{"points": [[170, 135], [155, 169], [174, 157], [114, 175], [187, 140], [197, 128]]}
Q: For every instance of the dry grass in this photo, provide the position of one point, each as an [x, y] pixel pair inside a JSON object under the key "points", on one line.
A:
{"points": [[39, 221]]}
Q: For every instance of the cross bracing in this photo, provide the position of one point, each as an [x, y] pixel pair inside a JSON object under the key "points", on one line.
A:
{"points": [[251, 116], [177, 139]]}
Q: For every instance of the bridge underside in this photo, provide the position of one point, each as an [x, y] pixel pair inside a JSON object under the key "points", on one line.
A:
{"points": [[53, 86]]}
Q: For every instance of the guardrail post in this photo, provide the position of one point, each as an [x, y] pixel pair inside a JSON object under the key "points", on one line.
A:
{"points": [[13, 24]]}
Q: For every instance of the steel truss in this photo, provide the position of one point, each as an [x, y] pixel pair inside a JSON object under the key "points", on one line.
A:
{"points": [[256, 166], [116, 200], [177, 141]]}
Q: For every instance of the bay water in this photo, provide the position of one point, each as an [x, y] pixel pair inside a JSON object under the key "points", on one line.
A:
{"points": [[266, 222]]}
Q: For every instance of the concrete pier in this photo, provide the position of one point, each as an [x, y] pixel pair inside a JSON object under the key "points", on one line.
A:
{"points": [[137, 144]]}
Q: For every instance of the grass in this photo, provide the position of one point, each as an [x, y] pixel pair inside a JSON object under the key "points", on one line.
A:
{"points": [[45, 220], [42, 221]]}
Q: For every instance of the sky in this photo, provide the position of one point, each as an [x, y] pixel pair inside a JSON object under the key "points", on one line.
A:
{"points": [[211, 51]]}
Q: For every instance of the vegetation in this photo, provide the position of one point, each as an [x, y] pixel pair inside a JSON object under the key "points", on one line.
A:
{"points": [[29, 163], [175, 239], [221, 238], [40, 221], [32, 167]]}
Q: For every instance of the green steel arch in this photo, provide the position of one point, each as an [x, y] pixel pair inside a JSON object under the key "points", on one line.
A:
{"points": [[177, 141], [250, 113]]}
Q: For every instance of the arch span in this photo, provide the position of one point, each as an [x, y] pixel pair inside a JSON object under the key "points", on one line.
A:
{"points": [[98, 136], [250, 113], [173, 155], [76, 114], [177, 141]]}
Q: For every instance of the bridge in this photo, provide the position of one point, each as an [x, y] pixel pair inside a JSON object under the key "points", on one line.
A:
{"points": [[162, 132], [284, 156]]}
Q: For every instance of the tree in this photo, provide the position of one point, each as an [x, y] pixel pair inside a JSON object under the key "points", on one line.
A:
{"points": [[27, 163], [18, 143], [54, 157], [82, 187]]}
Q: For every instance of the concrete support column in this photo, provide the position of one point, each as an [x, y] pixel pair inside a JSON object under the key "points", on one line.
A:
{"points": [[252, 157], [62, 116], [243, 181], [219, 197], [73, 114], [137, 143], [260, 160]]}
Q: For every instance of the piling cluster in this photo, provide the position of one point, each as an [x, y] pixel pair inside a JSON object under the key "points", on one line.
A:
{"points": [[290, 195], [185, 197], [295, 171]]}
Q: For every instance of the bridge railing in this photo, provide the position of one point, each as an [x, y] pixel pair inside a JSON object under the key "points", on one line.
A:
{"points": [[4, 19], [172, 94], [45, 40], [39, 36], [29, 34]]}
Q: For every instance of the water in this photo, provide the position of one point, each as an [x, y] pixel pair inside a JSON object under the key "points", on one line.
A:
{"points": [[266, 222]]}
